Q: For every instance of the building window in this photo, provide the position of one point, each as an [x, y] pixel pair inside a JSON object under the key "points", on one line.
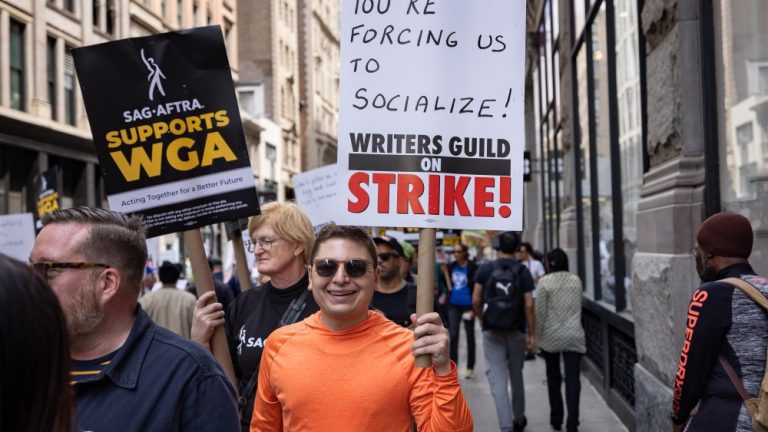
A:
{"points": [[18, 67], [180, 13], [741, 45], [609, 129], [70, 98], [194, 15], [52, 56], [164, 8], [96, 13], [69, 5], [111, 17]]}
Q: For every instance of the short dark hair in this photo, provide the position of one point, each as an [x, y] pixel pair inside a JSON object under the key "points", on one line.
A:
{"points": [[169, 273], [527, 245], [114, 238], [557, 260], [354, 233], [33, 338], [461, 246], [509, 241]]}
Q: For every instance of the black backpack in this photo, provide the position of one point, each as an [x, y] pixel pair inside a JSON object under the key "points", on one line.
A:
{"points": [[502, 298]]}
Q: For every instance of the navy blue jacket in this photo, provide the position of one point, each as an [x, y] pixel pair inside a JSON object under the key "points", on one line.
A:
{"points": [[157, 381]]}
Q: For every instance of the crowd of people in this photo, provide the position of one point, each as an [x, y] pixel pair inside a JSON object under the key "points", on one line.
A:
{"points": [[332, 327]]}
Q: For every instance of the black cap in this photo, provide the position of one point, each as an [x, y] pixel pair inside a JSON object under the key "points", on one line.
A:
{"points": [[391, 242]]}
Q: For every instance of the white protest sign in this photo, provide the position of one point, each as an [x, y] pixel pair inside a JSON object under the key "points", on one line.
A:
{"points": [[316, 191], [17, 235], [431, 129]]}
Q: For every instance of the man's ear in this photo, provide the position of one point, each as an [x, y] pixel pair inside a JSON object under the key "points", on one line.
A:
{"points": [[109, 284]]}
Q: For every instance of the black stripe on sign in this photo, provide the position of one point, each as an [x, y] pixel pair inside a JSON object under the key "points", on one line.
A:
{"points": [[412, 163]]}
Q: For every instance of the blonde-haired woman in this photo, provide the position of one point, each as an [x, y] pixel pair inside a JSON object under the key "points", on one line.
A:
{"points": [[558, 325], [282, 239]]}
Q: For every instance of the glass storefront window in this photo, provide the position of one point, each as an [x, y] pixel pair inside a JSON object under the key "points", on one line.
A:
{"points": [[630, 125], [584, 150], [742, 76], [600, 101]]}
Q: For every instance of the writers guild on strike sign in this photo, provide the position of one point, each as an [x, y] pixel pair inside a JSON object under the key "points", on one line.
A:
{"points": [[430, 194]]}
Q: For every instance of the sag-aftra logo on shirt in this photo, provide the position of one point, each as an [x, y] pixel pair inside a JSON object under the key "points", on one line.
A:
{"points": [[247, 342]]}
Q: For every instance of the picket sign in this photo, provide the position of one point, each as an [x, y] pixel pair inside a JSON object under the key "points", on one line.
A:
{"points": [[193, 242], [243, 274]]}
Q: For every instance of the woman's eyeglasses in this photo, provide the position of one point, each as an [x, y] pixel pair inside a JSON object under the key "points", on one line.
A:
{"points": [[355, 268], [265, 244]]}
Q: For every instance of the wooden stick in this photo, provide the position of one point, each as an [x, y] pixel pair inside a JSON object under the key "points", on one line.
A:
{"points": [[425, 291], [193, 241], [243, 272]]}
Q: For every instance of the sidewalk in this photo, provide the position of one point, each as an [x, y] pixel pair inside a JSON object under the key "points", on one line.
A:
{"points": [[595, 415]]}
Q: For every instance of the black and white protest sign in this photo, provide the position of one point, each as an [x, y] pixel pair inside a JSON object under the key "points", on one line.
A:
{"points": [[46, 186], [166, 128], [431, 127]]}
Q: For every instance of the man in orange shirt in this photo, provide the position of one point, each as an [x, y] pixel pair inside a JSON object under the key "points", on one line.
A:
{"points": [[348, 368]]}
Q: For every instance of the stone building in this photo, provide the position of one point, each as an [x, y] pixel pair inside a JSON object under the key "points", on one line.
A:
{"points": [[644, 117], [269, 62], [43, 123], [319, 83]]}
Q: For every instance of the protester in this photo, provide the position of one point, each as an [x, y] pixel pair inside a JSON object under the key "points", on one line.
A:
{"points": [[505, 342], [35, 394], [461, 273], [350, 369], [148, 281], [128, 373], [409, 253], [168, 306], [725, 331], [395, 297], [525, 254], [558, 323], [282, 235]]}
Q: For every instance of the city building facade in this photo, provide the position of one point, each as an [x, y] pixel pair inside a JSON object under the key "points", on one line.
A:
{"points": [[269, 63], [43, 123], [319, 48], [643, 118]]}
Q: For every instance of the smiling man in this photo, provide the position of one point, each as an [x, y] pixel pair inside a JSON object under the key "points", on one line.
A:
{"points": [[348, 368]]}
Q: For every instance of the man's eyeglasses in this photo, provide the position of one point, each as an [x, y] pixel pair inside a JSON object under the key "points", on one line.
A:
{"points": [[355, 268], [265, 244], [44, 268], [385, 256]]}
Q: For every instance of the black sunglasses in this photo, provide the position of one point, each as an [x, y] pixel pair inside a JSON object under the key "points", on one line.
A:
{"points": [[355, 268], [385, 256]]}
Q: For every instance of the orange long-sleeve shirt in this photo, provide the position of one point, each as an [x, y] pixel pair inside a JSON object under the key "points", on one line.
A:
{"points": [[359, 379]]}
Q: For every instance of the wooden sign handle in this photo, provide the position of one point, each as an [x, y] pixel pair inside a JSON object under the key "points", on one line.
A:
{"points": [[193, 241], [425, 290], [243, 272]]}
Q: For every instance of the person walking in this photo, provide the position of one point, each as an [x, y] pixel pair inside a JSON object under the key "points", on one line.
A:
{"points": [[461, 272], [282, 236], [168, 306], [394, 297], [504, 305], [560, 333], [726, 332]]}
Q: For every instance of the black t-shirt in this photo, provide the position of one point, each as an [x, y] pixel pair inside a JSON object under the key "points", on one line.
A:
{"points": [[526, 285], [397, 306], [253, 316]]}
